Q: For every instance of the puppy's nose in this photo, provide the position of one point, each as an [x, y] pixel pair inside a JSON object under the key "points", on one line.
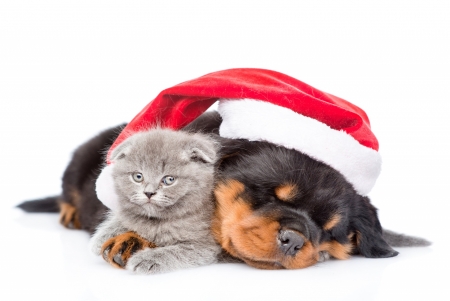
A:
{"points": [[149, 194], [290, 242]]}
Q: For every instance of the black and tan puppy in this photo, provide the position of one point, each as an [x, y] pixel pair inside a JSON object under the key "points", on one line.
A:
{"points": [[278, 208]]}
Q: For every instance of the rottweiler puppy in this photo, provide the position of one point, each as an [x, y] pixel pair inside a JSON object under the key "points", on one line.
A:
{"points": [[278, 208]]}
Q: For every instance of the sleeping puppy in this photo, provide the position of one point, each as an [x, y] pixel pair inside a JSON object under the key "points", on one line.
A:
{"points": [[278, 208]]}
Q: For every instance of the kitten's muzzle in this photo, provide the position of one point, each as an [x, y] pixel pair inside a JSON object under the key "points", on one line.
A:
{"points": [[149, 194]]}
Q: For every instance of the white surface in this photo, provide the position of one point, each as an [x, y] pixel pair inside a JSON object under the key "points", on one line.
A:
{"points": [[69, 69]]}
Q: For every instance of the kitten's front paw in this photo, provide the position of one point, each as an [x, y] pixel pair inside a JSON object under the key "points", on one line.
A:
{"points": [[95, 245], [118, 249], [142, 263], [145, 266]]}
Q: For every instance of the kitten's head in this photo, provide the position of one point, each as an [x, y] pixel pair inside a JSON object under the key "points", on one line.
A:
{"points": [[164, 173]]}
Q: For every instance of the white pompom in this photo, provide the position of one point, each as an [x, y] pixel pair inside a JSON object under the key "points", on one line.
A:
{"points": [[104, 187]]}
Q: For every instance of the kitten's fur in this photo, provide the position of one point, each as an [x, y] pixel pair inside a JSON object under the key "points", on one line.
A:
{"points": [[175, 217]]}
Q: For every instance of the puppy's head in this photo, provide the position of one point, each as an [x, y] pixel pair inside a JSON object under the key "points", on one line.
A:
{"points": [[277, 208], [265, 236], [264, 199]]}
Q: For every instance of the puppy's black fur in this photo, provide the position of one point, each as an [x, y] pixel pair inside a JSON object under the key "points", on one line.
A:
{"points": [[78, 204]]}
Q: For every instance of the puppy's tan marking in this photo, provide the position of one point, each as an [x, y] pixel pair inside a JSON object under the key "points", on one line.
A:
{"points": [[357, 238], [227, 210], [240, 232], [337, 250], [351, 236], [286, 192], [332, 222], [264, 265], [68, 216], [307, 256]]}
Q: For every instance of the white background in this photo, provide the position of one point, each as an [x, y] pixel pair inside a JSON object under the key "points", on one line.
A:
{"points": [[69, 69]]}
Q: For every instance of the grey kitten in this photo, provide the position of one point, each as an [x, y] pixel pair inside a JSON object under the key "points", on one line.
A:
{"points": [[164, 180]]}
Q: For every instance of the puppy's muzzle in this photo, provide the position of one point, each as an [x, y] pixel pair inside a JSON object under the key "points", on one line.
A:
{"points": [[290, 242]]}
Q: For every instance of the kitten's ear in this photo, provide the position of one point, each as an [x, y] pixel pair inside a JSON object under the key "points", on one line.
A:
{"points": [[197, 154], [202, 150], [121, 150]]}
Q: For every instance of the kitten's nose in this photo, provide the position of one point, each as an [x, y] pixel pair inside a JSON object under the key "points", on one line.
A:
{"points": [[149, 194]]}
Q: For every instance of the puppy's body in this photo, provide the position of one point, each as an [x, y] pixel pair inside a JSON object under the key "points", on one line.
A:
{"points": [[78, 204]]}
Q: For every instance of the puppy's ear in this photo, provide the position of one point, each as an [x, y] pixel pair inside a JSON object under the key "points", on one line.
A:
{"points": [[371, 244], [369, 239], [229, 147]]}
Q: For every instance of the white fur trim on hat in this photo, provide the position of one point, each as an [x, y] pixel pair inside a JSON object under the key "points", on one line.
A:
{"points": [[257, 120], [104, 186]]}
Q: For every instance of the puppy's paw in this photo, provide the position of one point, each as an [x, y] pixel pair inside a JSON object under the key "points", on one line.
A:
{"points": [[68, 216], [324, 256], [118, 249]]}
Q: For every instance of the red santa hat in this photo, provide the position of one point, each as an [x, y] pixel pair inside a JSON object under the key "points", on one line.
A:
{"points": [[258, 104]]}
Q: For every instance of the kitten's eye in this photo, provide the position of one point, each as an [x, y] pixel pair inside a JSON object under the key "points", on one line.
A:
{"points": [[138, 177], [168, 180]]}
